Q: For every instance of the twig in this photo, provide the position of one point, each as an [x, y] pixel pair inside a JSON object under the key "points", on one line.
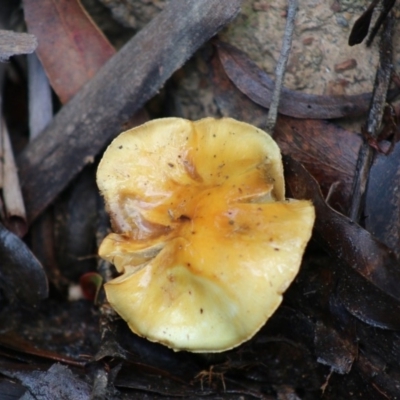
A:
{"points": [[281, 66], [12, 196], [13, 43], [381, 86], [387, 6]]}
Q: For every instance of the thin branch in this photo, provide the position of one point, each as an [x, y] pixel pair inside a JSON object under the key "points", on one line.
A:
{"points": [[381, 86], [14, 43], [281, 66], [12, 196]]}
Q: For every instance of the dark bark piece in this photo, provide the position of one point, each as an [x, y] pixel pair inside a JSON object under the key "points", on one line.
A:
{"points": [[347, 241], [382, 208], [96, 113], [22, 276], [381, 344], [385, 380], [258, 86], [374, 120], [367, 302], [11, 390]]}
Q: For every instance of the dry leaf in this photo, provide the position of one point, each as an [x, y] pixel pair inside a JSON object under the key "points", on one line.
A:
{"points": [[71, 47], [258, 86], [348, 242]]}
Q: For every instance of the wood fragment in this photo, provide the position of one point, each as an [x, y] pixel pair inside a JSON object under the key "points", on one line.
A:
{"points": [[281, 66], [11, 191], [96, 114], [361, 26], [381, 86], [14, 43], [387, 6]]}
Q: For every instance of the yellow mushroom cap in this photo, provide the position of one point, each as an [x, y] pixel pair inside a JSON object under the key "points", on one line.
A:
{"points": [[204, 239]]}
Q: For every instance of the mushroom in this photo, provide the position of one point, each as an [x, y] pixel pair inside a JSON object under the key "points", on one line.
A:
{"points": [[204, 239]]}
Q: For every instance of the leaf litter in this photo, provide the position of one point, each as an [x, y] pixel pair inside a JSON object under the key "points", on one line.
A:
{"points": [[337, 329]]}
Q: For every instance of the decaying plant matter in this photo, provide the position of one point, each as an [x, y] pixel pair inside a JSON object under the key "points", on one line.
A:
{"points": [[335, 334]]}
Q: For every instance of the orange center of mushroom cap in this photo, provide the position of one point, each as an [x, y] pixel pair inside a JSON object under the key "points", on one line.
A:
{"points": [[205, 242]]}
